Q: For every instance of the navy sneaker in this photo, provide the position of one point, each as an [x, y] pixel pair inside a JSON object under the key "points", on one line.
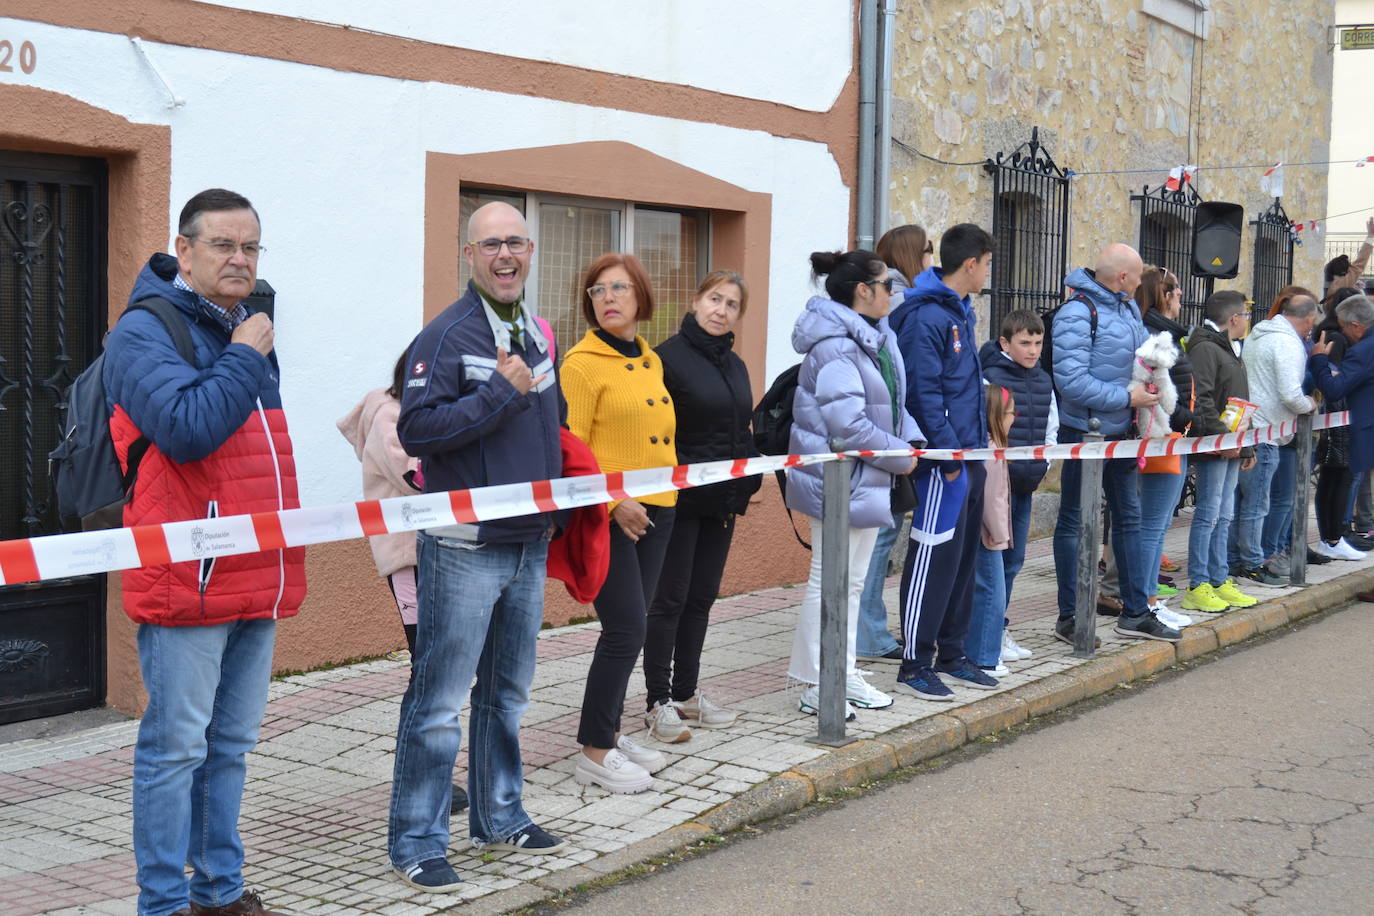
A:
{"points": [[968, 674], [459, 802], [433, 875], [533, 840], [1147, 627], [927, 685]]}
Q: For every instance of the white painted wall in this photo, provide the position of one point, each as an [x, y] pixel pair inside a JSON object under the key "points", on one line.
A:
{"points": [[789, 51], [1352, 126], [334, 163]]}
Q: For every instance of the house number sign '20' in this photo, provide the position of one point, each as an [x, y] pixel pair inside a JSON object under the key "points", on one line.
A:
{"points": [[27, 57]]}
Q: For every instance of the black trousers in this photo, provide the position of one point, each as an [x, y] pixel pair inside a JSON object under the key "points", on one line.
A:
{"points": [[1332, 496], [937, 586], [622, 606], [681, 608]]}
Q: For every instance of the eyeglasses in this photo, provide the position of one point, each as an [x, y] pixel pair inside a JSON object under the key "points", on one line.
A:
{"points": [[517, 244], [225, 248], [619, 287], [929, 249], [885, 284]]}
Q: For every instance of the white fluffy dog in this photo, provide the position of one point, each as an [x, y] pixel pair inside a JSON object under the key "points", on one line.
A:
{"points": [[1150, 370]]}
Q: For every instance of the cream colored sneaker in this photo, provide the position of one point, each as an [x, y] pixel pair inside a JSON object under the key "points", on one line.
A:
{"points": [[705, 713], [664, 724]]}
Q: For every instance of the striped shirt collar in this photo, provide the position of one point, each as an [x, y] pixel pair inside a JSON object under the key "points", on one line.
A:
{"points": [[229, 318]]}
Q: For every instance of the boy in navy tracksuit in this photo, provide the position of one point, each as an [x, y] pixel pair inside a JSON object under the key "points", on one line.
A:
{"points": [[934, 328]]}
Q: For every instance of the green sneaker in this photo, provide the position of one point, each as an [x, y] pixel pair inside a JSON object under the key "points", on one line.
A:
{"points": [[1233, 596], [1203, 598], [1165, 590]]}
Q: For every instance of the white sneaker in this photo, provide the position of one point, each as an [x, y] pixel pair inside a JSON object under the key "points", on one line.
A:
{"points": [[664, 724], [862, 694], [998, 670], [647, 757], [1347, 551], [810, 702], [1171, 618], [705, 713], [617, 773], [1012, 651]]}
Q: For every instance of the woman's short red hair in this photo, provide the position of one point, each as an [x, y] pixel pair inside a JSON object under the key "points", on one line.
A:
{"points": [[644, 290]]}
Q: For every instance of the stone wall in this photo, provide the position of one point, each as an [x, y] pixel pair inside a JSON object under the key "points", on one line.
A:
{"points": [[1111, 87]]}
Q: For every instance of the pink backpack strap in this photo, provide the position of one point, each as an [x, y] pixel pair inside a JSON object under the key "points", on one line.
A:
{"points": [[548, 335]]}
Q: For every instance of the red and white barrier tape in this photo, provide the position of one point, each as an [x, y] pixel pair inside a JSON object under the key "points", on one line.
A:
{"points": [[60, 556]]}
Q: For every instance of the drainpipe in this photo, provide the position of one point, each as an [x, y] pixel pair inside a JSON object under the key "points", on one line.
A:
{"points": [[868, 60], [881, 191]]}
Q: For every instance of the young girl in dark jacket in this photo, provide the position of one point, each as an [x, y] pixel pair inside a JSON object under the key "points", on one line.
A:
{"points": [[709, 385]]}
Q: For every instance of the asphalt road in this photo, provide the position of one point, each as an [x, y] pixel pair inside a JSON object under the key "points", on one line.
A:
{"points": [[1245, 785]]}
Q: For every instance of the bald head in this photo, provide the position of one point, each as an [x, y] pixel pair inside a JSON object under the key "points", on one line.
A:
{"points": [[499, 251], [1119, 268]]}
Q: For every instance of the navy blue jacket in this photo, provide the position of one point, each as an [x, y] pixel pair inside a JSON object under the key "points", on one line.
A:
{"points": [[470, 427], [1034, 393], [1354, 381], [944, 382]]}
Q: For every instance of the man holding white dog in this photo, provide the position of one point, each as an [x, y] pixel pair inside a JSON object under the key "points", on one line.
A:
{"points": [[1095, 336], [1275, 362]]}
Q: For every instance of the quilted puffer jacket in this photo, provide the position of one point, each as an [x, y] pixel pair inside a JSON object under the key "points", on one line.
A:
{"points": [[1091, 371], [219, 447]]}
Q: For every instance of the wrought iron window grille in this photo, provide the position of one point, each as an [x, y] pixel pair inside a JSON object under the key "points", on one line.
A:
{"points": [[1273, 258], [1166, 240]]}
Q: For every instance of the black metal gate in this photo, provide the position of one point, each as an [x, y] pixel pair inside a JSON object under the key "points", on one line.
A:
{"points": [[52, 318], [1030, 221], [1273, 258], [1166, 240]]}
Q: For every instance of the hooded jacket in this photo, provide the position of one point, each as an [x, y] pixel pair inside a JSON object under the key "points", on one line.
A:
{"points": [[370, 427], [1219, 376], [470, 426], [219, 447], [842, 403], [1275, 362], [1035, 412], [709, 385], [944, 381], [1092, 373]]}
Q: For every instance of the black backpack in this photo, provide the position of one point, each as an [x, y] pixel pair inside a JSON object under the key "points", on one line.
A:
{"points": [[1047, 349], [84, 469], [773, 428]]}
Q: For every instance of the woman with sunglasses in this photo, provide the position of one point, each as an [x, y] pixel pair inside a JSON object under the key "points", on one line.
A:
{"points": [[618, 405], [850, 395]]}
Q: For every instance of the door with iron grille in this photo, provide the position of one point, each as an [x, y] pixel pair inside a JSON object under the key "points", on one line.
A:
{"points": [[52, 318]]}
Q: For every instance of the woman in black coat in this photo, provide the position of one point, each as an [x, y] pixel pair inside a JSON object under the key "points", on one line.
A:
{"points": [[710, 389]]}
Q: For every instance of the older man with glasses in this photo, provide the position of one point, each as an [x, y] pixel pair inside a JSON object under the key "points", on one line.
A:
{"points": [[480, 407]]}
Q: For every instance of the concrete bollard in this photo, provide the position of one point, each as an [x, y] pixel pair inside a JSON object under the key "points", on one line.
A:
{"points": [[1302, 478], [1089, 546], [834, 602]]}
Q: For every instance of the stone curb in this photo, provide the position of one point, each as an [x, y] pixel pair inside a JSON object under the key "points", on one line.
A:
{"points": [[867, 759]]}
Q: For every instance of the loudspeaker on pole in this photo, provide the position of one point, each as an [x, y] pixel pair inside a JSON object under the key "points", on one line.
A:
{"points": [[1216, 239]]}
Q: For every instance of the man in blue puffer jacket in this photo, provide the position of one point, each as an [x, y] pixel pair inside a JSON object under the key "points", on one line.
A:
{"points": [[1092, 372], [934, 328]]}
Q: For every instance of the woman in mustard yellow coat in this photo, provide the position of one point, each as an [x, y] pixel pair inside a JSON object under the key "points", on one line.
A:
{"points": [[618, 405]]}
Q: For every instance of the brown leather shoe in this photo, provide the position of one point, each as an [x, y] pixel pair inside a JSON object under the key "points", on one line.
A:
{"points": [[1109, 605], [250, 904], [1366, 596]]}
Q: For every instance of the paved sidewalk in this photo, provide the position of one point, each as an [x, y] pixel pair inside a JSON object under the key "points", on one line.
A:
{"points": [[314, 814]]}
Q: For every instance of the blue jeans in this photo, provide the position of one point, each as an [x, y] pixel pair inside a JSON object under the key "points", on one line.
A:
{"points": [[480, 609], [983, 644], [1278, 524], [1216, 486], [1014, 557], [207, 689], [1123, 500], [874, 637], [1159, 495], [1255, 486]]}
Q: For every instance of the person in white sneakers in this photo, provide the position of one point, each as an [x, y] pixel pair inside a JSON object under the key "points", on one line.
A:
{"points": [[850, 395]]}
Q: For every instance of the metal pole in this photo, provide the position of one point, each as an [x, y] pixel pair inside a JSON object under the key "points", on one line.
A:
{"points": [[1089, 546], [1302, 477], [884, 140], [834, 602], [868, 103]]}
